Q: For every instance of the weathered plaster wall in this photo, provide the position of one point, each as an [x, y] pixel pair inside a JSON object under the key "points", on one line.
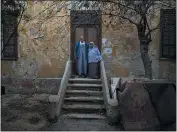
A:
{"points": [[43, 42], [122, 41], [121, 51], [43, 45]]}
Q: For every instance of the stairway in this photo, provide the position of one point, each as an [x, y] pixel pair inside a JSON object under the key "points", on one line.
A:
{"points": [[83, 108], [84, 99]]}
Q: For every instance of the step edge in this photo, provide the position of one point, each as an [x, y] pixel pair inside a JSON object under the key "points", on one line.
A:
{"points": [[84, 115], [83, 91], [84, 105], [87, 79], [81, 85], [92, 98]]}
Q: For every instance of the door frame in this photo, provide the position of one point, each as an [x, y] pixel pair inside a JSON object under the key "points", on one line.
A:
{"points": [[87, 23]]}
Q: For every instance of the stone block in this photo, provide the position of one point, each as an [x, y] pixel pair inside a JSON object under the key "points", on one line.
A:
{"points": [[163, 97], [113, 114], [136, 108], [52, 107], [123, 82]]}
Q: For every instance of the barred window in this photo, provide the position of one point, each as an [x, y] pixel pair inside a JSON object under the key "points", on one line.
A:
{"points": [[168, 33], [9, 35]]}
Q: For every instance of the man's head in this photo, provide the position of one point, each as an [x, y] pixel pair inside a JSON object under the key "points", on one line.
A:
{"points": [[82, 38]]}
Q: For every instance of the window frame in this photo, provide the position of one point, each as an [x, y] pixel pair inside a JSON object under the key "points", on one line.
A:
{"points": [[15, 32], [161, 56]]}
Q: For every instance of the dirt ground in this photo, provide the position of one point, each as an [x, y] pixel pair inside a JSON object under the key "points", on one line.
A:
{"points": [[23, 112], [29, 113], [82, 125]]}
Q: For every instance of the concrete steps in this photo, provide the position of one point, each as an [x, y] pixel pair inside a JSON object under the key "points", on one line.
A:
{"points": [[85, 93], [84, 108], [84, 116], [80, 86], [85, 85], [85, 80], [84, 99]]}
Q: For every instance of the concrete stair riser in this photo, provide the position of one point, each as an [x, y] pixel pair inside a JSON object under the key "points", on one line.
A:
{"points": [[85, 85], [84, 116], [85, 80], [85, 106], [85, 88], [85, 99], [83, 93], [83, 110], [83, 102]]}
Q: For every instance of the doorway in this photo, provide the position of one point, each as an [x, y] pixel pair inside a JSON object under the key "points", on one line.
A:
{"points": [[89, 28]]}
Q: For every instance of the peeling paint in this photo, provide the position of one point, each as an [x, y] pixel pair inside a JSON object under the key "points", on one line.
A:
{"points": [[44, 46], [39, 45], [35, 31], [107, 51], [123, 40]]}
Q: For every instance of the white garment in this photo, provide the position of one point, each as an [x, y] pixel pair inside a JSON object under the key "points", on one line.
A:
{"points": [[82, 43]]}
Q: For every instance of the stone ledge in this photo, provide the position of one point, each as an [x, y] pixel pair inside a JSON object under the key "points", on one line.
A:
{"points": [[29, 86]]}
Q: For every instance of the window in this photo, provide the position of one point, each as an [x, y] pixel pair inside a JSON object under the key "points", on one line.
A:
{"points": [[9, 35], [168, 33]]}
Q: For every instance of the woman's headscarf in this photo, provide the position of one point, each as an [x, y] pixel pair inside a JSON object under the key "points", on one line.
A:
{"points": [[91, 45]]}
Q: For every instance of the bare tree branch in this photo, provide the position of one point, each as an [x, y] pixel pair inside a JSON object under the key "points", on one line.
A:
{"points": [[149, 39], [123, 17], [157, 27], [118, 3], [151, 3]]}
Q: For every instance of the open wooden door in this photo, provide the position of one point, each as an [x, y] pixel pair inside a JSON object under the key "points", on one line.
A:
{"points": [[89, 27], [90, 33]]}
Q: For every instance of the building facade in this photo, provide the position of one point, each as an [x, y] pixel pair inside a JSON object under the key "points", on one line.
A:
{"points": [[45, 42]]}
